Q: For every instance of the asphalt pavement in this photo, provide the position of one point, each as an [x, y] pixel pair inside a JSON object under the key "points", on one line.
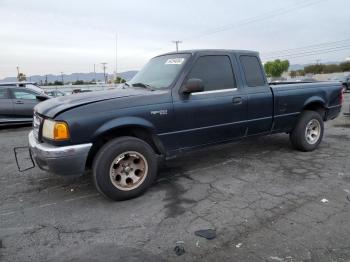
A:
{"points": [[265, 201]]}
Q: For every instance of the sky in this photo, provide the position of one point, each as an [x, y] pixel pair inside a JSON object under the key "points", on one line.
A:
{"points": [[49, 37]]}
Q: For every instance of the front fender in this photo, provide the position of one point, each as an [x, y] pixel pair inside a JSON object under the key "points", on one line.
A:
{"points": [[123, 122]]}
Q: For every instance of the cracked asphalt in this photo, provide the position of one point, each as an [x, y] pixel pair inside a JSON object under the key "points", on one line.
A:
{"points": [[262, 197]]}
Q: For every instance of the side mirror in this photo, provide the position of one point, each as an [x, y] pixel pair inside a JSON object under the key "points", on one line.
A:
{"points": [[192, 85], [41, 98]]}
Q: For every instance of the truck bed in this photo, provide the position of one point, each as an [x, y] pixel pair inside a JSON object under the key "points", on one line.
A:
{"points": [[292, 97]]}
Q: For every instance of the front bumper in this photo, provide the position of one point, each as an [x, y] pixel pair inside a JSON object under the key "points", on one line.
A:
{"points": [[64, 160]]}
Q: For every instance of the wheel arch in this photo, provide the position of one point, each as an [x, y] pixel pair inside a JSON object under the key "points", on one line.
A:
{"points": [[316, 104], [128, 126]]}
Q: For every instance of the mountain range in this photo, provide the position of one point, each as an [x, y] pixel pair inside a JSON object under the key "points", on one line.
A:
{"points": [[71, 77]]}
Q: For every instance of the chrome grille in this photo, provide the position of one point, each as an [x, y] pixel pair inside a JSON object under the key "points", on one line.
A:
{"points": [[36, 125]]}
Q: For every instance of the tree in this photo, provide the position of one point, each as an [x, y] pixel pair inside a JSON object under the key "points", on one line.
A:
{"points": [[58, 83], [314, 69], [119, 80], [332, 68], [21, 77], [345, 66], [276, 68], [79, 82]]}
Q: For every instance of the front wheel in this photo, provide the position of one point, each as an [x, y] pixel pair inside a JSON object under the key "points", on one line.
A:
{"points": [[124, 168], [308, 131]]}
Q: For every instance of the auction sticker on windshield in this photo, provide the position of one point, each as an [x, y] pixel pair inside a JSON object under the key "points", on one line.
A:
{"points": [[175, 61]]}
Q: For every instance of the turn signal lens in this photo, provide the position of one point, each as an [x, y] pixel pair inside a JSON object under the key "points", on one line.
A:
{"points": [[55, 130], [61, 131]]}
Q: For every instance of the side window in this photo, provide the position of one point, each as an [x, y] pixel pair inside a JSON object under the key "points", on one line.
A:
{"points": [[252, 71], [215, 72], [23, 94], [3, 93]]}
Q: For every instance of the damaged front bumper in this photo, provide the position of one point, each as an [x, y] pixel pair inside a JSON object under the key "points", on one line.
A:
{"points": [[64, 160]]}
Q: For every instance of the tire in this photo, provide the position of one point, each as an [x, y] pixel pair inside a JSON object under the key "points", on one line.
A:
{"points": [[308, 131], [124, 168]]}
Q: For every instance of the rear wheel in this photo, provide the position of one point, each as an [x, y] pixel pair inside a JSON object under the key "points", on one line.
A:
{"points": [[308, 131], [124, 168]]}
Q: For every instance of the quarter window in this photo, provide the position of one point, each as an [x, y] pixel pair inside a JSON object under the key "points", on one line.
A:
{"points": [[215, 72], [252, 71]]}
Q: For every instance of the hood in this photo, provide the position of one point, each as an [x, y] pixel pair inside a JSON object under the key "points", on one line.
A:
{"points": [[54, 106]]}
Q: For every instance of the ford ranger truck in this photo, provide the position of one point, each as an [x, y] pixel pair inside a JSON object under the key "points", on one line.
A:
{"points": [[177, 103]]}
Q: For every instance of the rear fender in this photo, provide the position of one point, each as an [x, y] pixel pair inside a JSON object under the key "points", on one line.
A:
{"points": [[315, 100]]}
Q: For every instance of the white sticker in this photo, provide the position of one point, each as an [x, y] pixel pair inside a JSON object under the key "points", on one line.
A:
{"points": [[175, 61]]}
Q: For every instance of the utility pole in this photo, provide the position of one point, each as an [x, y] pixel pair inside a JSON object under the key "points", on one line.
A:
{"points": [[177, 42], [318, 61], [116, 56], [95, 73], [17, 72], [104, 71], [62, 78]]}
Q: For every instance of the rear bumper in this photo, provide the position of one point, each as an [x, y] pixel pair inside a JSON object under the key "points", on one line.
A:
{"points": [[65, 160], [333, 112]]}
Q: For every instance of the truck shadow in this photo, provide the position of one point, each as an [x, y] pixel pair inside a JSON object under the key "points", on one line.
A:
{"points": [[217, 154], [173, 172]]}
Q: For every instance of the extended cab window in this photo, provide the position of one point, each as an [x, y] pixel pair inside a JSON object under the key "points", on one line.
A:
{"points": [[252, 71], [215, 72]]}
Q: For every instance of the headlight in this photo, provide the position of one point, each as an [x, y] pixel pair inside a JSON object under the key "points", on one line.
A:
{"points": [[55, 130]]}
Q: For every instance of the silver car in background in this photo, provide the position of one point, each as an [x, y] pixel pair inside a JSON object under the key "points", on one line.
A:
{"points": [[17, 103]]}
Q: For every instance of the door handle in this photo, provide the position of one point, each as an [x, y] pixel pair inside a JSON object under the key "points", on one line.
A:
{"points": [[237, 100], [18, 102]]}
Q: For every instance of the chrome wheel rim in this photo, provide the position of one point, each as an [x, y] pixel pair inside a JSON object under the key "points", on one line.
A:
{"points": [[128, 170], [313, 131]]}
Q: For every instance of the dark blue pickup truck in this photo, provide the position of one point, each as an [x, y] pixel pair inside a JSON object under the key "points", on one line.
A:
{"points": [[176, 103]]}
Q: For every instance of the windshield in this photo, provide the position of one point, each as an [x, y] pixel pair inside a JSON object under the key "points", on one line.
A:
{"points": [[161, 71]]}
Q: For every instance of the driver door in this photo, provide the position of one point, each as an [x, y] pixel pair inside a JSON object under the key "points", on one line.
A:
{"points": [[216, 114]]}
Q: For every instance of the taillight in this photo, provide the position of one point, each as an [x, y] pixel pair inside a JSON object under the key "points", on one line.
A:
{"points": [[341, 96]]}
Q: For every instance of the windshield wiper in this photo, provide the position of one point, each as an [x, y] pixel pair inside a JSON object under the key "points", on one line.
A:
{"points": [[143, 86]]}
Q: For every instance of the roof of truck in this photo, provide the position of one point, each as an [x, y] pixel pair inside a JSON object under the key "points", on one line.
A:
{"points": [[213, 51]]}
